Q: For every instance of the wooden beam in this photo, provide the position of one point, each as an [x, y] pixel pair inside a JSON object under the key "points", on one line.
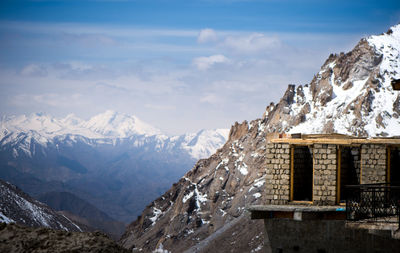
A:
{"points": [[306, 142]]}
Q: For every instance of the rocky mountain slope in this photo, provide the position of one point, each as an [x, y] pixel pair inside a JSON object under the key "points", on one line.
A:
{"points": [[77, 209], [18, 207], [205, 210], [114, 161], [18, 239]]}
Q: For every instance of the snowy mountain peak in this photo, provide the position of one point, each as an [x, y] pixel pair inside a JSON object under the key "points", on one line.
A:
{"points": [[109, 127], [72, 120], [351, 94], [109, 124], [205, 142], [114, 124], [388, 45]]}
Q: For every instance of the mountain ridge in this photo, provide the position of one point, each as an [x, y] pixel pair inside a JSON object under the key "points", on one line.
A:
{"points": [[18, 207], [118, 175], [108, 127]]}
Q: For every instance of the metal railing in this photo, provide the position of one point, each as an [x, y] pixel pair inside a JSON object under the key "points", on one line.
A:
{"points": [[373, 202]]}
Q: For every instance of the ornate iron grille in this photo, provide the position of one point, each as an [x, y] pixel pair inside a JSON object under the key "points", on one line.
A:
{"points": [[373, 201]]}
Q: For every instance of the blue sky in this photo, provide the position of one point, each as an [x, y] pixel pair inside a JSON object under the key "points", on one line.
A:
{"points": [[179, 65]]}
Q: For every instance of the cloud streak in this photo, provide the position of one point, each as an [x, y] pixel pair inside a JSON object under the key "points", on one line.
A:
{"points": [[204, 63], [253, 43], [207, 35]]}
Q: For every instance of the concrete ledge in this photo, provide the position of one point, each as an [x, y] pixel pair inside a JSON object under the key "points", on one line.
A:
{"points": [[297, 212]]}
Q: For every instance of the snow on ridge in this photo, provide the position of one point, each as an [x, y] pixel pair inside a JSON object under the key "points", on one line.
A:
{"points": [[205, 142], [382, 104], [31, 208], [113, 124], [5, 219], [104, 128], [109, 124], [388, 45]]}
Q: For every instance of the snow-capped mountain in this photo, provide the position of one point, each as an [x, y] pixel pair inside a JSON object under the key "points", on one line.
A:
{"points": [[109, 127], [115, 161], [109, 124], [205, 210], [118, 125], [352, 93], [18, 207]]}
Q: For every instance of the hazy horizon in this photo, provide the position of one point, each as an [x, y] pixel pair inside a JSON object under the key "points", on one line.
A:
{"points": [[181, 66]]}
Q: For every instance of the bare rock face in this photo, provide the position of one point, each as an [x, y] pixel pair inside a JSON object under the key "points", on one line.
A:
{"points": [[205, 210], [209, 198]]}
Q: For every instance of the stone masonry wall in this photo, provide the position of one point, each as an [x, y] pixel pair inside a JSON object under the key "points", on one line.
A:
{"points": [[278, 173], [373, 170], [325, 165], [373, 163]]}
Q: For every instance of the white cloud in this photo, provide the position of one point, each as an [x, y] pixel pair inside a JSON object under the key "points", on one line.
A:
{"points": [[204, 63], [34, 70], [207, 35], [210, 99], [255, 42]]}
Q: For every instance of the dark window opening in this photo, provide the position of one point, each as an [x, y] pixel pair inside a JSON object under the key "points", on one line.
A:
{"points": [[395, 166], [349, 168], [302, 173]]}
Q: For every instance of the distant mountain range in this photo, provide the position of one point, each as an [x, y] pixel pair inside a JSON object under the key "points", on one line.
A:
{"points": [[107, 128], [114, 161], [205, 210]]}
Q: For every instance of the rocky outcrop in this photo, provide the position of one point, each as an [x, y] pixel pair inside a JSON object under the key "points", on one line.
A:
{"points": [[19, 239], [350, 95]]}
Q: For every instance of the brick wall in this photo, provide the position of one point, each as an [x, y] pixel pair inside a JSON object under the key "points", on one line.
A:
{"points": [[278, 173], [373, 163], [325, 168]]}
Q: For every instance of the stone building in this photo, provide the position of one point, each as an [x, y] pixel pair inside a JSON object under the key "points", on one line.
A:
{"points": [[307, 184], [313, 169]]}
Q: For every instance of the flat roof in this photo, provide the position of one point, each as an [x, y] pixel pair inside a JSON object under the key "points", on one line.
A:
{"points": [[308, 139]]}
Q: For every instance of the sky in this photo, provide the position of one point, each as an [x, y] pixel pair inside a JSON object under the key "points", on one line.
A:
{"points": [[179, 65]]}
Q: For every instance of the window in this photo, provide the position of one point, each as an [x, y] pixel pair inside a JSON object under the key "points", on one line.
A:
{"points": [[349, 168], [302, 173]]}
